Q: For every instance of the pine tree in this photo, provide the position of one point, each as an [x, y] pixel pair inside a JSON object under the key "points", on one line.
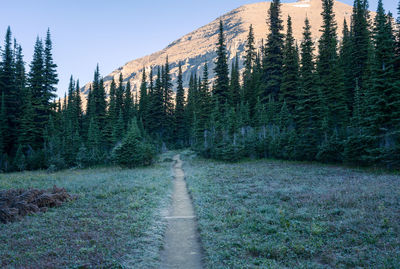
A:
{"points": [[346, 64], [50, 76], [250, 55], [150, 97], [143, 98], [360, 43], [101, 104], [273, 56], [249, 93], [112, 108], [329, 72], [90, 107], [203, 106], [234, 83], [190, 110], [167, 102], [11, 94], [150, 103], [119, 94], [157, 114], [78, 107], [256, 85], [70, 99], [180, 110], [128, 104], [307, 111], [221, 87], [36, 87], [290, 70], [167, 87], [112, 116], [133, 150], [20, 77], [382, 98]]}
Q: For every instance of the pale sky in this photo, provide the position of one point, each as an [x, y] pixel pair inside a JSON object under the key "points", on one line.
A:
{"points": [[111, 33]]}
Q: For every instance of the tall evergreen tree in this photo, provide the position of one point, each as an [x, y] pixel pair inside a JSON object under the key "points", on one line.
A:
{"points": [[36, 87], [221, 70], [360, 43], [308, 101], [78, 107], [180, 110], [250, 55], [112, 108], [190, 109], [128, 104], [143, 98], [334, 108], [249, 93], [50, 76], [157, 114], [11, 93], [290, 70], [168, 105], [119, 94], [112, 115], [20, 74], [273, 56], [99, 96], [203, 107], [235, 83], [346, 64], [383, 96]]}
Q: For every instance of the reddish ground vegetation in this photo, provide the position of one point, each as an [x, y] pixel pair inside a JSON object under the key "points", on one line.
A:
{"points": [[16, 203]]}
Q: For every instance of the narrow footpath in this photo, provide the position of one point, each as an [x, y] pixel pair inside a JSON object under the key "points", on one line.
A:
{"points": [[182, 247]]}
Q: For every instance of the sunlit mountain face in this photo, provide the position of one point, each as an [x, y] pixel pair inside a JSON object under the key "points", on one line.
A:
{"points": [[198, 47]]}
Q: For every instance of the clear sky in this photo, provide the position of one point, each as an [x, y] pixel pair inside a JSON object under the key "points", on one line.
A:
{"points": [[111, 33]]}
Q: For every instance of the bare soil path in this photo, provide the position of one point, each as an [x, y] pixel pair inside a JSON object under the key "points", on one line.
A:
{"points": [[182, 247]]}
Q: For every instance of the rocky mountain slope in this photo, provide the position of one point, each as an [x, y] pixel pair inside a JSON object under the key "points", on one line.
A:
{"points": [[198, 47]]}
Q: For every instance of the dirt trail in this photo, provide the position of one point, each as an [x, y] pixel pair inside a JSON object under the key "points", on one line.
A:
{"points": [[182, 248]]}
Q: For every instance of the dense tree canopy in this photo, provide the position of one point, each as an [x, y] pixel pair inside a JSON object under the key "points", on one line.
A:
{"points": [[337, 100]]}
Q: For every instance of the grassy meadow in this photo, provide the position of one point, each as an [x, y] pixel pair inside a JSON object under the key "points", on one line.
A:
{"points": [[274, 214], [252, 214], [116, 222]]}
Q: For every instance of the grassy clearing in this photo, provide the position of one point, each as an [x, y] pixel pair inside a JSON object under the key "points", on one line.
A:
{"points": [[116, 222], [272, 214]]}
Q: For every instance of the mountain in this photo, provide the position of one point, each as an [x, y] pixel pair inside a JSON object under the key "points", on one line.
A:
{"points": [[198, 47]]}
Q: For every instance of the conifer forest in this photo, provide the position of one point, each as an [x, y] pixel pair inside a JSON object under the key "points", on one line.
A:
{"points": [[331, 101]]}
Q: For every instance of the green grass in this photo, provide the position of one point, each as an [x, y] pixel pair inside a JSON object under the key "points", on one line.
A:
{"points": [[273, 214], [115, 222]]}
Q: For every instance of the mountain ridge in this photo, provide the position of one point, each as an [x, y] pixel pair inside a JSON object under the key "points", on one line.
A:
{"points": [[198, 46]]}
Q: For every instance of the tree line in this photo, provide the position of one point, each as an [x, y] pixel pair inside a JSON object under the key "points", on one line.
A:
{"points": [[334, 100]]}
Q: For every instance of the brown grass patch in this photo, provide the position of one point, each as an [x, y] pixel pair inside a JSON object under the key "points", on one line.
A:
{"points": [[17, 203]]}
